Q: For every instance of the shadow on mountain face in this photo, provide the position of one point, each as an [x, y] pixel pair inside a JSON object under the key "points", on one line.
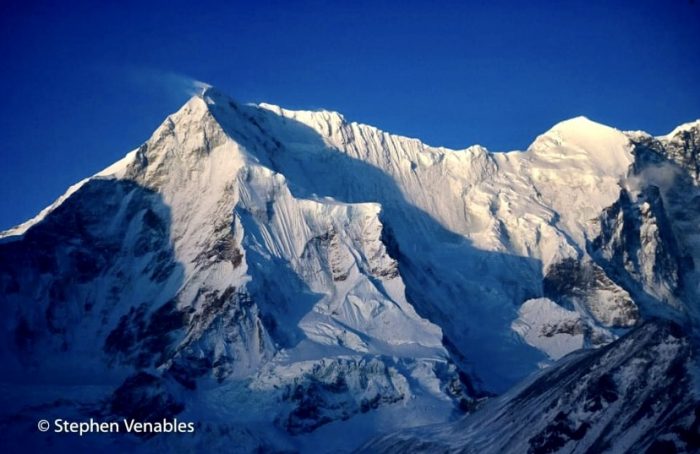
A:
{"points": [[89, 297], [103, 254], [471, 293], [594, 400]]}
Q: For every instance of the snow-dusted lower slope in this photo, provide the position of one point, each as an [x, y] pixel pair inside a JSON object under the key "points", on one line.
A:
{"points": [[331, 278], [635, 395]]}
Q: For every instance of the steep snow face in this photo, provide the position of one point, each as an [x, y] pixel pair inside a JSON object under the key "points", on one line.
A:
{"points": [[569, 173], [634, 395], [336, 250], [504, 220]]}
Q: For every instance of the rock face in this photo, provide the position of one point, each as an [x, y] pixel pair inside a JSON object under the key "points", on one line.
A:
{"points": [[282, 277], [682, 147], [584, 284], [638, 246]]}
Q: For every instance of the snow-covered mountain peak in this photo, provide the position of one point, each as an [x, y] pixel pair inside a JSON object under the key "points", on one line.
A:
{"points": [[576, 122], [326, 276], [582, 133], [197, 104], [586, 146], [212, 95]]}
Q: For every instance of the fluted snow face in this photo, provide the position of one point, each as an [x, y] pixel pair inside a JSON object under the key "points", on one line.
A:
{"points": [[565, 178], [538, 204]]}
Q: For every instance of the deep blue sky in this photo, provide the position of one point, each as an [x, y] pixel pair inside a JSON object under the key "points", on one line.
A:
{"points": [[82, 84]]}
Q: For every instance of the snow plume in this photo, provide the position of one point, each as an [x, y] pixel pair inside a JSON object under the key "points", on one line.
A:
{"points": [[661, 175], [173, 84]]}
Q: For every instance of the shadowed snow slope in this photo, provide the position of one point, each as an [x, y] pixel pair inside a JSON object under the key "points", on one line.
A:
{"points": [[633, 395]]}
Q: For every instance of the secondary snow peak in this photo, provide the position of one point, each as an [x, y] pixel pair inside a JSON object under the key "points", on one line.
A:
{"points": [[585, 145], [582, 131]]}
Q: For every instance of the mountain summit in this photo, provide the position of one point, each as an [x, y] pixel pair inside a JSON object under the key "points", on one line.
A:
{"points": [[281, 278]]}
